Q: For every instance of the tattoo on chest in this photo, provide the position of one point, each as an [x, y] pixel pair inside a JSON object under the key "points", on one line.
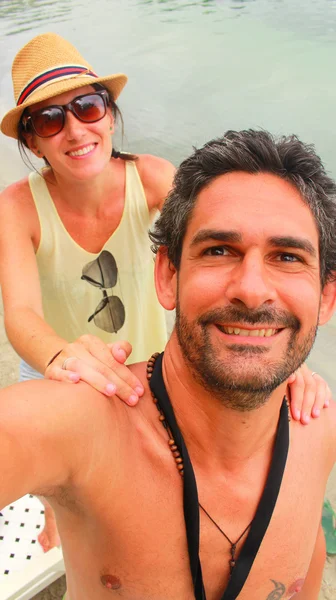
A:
{"points": [[278, 592]]}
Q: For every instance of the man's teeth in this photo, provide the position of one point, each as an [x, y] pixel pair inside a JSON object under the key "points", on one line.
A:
{"points": [[250, 332], [82, 151]]}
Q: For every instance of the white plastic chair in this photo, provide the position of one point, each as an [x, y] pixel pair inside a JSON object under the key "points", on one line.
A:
{"points": [[24, 568]]}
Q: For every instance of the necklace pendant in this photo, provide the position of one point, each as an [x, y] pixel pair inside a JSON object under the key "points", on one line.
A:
{"points": [[232, 561]]}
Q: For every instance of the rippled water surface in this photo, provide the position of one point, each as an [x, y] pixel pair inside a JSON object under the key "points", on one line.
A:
{"points": [[196, 68]]}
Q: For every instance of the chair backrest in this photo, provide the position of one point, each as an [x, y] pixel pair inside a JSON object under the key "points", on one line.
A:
{"points": [[41, 572], [24, 568]]}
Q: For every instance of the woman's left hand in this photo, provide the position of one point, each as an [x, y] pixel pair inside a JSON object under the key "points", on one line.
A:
{"points": [[308, 394]]}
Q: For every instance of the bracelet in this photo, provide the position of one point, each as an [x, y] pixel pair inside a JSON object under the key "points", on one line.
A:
{"points": [[53, 358]]}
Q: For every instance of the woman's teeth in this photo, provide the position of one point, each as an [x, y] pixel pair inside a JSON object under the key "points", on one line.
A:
{"points": [[249, 332], [82, 151]]}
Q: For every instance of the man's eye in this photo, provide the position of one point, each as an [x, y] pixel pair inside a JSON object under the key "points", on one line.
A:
{"points": [[289, 258], [216, 251]]}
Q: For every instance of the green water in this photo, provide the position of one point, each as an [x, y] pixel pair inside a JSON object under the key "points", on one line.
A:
{"points": [[196, 68]]}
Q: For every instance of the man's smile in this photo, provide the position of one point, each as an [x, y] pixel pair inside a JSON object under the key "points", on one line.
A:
{"points": [[242, 334]]}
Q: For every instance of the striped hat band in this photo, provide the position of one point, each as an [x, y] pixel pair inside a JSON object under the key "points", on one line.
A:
{"points": [[59, 73]]}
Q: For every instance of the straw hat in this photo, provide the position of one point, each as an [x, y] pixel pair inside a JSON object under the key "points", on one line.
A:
{"points": [[47, 66]]}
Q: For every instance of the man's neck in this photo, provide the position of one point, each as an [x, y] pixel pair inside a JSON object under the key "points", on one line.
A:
{"points": [[217, 436]]}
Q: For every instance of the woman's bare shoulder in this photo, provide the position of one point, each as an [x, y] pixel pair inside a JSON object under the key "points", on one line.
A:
{"points": [[17, 210], [150, 161], [16, 193], [150, 166], [157, 176], [20, 186], [17, 198]]}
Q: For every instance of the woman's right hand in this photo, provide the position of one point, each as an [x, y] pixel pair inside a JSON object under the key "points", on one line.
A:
{"points": [[100, 365]]}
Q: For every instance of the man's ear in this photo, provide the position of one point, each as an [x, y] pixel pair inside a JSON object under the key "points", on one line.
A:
{"points": [[328, 301], [165, 279]]}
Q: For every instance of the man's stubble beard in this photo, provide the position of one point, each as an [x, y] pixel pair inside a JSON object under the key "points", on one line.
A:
{"points": [[220, 377]]}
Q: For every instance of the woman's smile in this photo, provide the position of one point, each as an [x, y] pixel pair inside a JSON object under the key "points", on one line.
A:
{"points": [[82, 151]]}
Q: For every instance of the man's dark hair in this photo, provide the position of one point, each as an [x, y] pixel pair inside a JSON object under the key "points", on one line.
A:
{"points": [[251, 151]]}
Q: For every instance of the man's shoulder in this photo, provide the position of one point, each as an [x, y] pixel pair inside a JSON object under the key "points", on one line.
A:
{"points": [[319, 436], [139, 370], [330, 420], [327, 423], [51, 400]]}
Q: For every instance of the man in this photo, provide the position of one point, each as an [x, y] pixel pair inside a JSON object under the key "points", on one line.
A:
{"points": [[246, 253]]}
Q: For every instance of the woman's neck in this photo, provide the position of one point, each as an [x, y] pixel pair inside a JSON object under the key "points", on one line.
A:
{"points": [[88, 196]]}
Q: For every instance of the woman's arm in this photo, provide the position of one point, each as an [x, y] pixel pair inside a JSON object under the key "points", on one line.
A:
{"points": [[30, 335]]}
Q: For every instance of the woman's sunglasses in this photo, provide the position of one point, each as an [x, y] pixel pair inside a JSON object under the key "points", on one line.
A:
{"points": [[50, 120], [102, 272]]}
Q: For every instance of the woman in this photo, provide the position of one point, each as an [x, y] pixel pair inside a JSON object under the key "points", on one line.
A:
{"points": [[80, 229], [75, 257]]}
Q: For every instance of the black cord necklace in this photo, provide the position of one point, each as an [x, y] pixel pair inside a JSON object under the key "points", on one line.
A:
{"points": [[239, 569], [179, 463], [233, 548]]}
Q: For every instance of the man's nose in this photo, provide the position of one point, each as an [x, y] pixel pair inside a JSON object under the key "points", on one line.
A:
{"points": [[251, 283]]}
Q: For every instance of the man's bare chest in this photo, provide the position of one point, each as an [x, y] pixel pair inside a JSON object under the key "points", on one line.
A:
{"points": [[135, 542]]}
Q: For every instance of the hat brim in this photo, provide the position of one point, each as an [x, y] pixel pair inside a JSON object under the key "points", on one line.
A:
{"points": [[113, 83]]}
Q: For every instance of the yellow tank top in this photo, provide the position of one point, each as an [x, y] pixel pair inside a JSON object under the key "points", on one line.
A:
{"points": [[110, 294]]}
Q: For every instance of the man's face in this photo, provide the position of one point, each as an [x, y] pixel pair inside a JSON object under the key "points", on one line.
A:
{"points": [[248, 287]]}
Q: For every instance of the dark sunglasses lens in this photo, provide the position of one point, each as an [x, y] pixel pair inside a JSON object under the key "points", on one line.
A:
{"points": [[48, 121], [89, 108], [102, 271], [110, 314]]}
